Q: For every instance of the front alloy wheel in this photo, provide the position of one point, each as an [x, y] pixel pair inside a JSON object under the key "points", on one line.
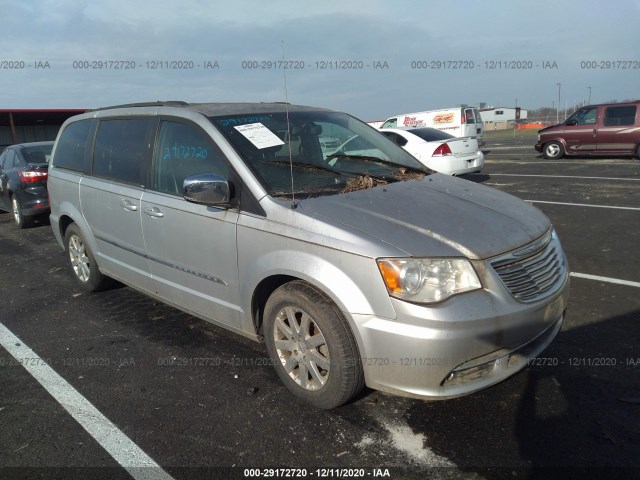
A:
{"points": [[311, 345], [553, 150]]}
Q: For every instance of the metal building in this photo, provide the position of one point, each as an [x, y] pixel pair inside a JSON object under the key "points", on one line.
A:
{"points": [[19, 126]]}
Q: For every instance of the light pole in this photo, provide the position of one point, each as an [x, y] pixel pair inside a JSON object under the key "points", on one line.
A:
{"points": [[589, 95], [558, 109], [515, 114]]}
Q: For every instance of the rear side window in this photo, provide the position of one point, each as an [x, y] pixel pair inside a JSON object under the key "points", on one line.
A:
{"points": [[619, 116], [72, 145], [121, 148], [431, 134], [395, 138]]}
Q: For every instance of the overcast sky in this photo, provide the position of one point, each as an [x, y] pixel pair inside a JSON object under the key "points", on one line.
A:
{"points": [[489, 51]]}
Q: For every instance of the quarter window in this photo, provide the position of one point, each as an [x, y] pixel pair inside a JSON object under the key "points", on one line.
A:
{"points": [[12, 160], [121, 146], [183, 150], [619, 116], [72, 145]]}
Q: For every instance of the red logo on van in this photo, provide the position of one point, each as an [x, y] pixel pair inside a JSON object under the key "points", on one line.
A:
{"points": [[412, 122]]}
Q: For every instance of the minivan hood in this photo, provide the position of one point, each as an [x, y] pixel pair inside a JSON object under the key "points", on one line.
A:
{"points": [[436, 216], [551, 127]]}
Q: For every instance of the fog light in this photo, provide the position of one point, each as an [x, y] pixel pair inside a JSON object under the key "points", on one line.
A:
{"points": [[465, 375]]}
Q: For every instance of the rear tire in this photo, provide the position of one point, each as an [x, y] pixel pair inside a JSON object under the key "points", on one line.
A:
{"points": [[82, 262], [311, 345], [638, 152], [22, 221], [553, 150]]}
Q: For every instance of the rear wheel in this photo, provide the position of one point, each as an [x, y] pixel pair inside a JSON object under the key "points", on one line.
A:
{"points": [[311, 346], [82, 263], [553, 150], [22, 221]]}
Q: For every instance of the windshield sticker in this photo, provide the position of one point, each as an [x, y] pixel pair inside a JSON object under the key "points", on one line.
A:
{"points": [[259, 135], [228, 122]]}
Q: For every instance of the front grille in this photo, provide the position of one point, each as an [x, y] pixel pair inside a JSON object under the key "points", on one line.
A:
{"points": [[534, 271]]}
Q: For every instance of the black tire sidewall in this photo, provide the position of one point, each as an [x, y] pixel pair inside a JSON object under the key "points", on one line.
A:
{"points": [[345, 375]]}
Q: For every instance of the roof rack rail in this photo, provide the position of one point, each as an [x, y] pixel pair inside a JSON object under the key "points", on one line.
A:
{"points": [[159, 103]]}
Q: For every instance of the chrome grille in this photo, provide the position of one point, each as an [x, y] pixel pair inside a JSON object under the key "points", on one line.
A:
{"points": [[534, 271]]}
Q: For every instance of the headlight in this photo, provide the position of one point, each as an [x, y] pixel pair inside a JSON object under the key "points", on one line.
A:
{"points": [[427, 280]]}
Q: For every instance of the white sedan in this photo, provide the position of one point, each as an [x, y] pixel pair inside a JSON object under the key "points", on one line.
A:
{"points": [[438, 150]]}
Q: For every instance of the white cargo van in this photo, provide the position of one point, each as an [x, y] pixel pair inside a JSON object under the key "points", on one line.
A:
{"points": [[457, 121]]}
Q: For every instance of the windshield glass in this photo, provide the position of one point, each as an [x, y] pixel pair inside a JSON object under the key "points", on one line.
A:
{"points": [[330, 152], [37, 153]]}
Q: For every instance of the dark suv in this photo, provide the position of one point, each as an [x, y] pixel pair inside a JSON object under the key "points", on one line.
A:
{"points": [[23, 181]]}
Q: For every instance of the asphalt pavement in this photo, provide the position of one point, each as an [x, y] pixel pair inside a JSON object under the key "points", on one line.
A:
{"points": [[197, 401]]}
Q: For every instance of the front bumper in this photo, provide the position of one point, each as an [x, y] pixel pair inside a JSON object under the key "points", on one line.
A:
{"points": [[460, 346]]}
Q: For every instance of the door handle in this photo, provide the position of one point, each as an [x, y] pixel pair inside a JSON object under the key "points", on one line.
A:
{"points": [[154, 212], [127, 205]]}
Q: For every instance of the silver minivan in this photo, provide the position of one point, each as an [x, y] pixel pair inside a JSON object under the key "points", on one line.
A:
{"points": [[353, 269]]}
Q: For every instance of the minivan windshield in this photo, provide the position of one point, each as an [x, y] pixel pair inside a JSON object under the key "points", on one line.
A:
{"points": [[326, 152]]}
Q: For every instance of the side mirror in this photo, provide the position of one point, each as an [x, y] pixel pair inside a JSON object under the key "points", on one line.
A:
{"points": [[571, 121], [208, 189]]}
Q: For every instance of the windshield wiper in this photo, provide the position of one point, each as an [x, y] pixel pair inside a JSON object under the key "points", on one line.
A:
{"points": [[369, 158], [309, 166]]}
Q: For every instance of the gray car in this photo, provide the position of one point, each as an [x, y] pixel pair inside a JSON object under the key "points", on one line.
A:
{"points": [[353, 269]]}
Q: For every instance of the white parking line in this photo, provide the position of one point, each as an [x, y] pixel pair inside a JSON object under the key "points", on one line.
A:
{"points": [[139, 465], [606, 279], [509, 147], [584, 205], [562, 176]]}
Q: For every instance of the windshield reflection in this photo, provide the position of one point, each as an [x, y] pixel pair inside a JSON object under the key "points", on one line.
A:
{"points": [[325, 152]]}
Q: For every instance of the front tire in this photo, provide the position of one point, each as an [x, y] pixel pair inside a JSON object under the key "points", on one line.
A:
{"points": [[311, 346], [553, 150], [82, 262], [22, 221]]}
